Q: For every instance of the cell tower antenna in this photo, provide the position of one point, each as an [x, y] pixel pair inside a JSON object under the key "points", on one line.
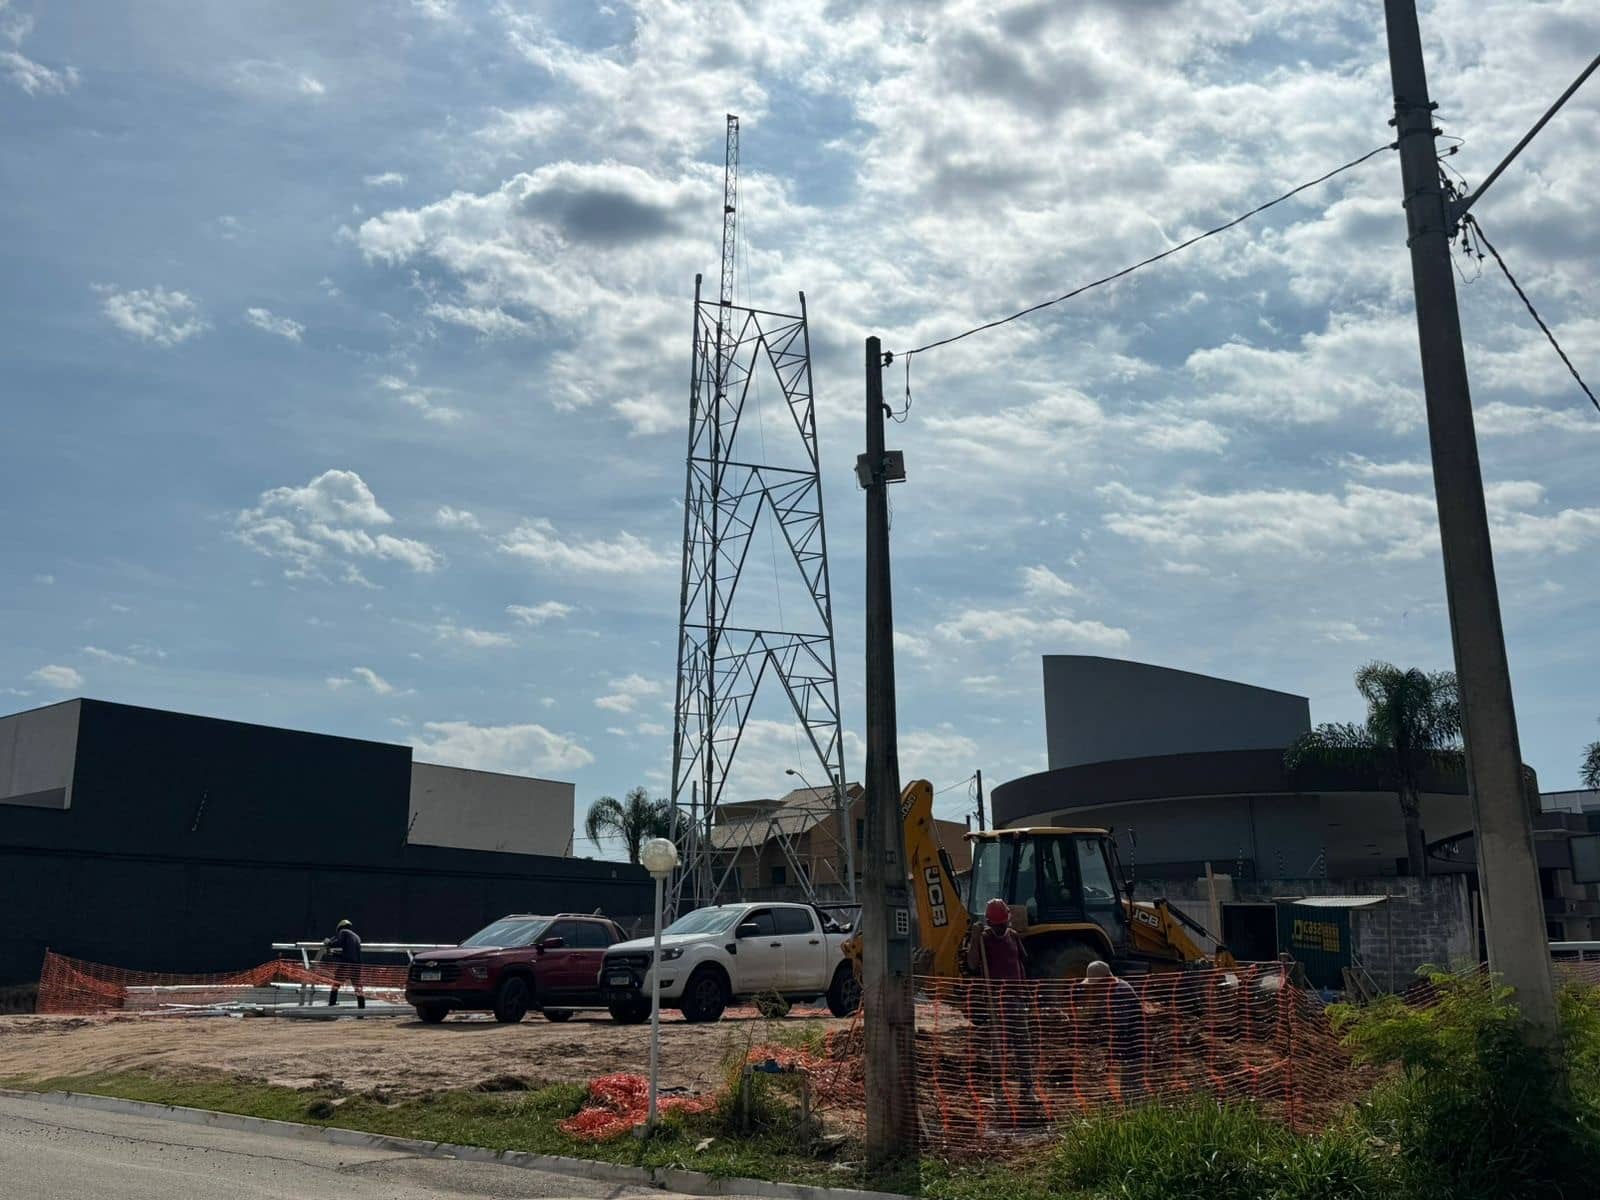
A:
{"points": [[721, 666], [730, 210]]}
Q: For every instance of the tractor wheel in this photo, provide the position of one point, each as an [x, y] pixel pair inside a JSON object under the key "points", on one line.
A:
{"points": [[1064, 960], [844, 993]]}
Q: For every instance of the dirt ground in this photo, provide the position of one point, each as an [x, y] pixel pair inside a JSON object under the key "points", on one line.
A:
{"points": [[399, 1056]]}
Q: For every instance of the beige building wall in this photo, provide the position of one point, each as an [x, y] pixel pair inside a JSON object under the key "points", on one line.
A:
{"points": [[483, 810]]}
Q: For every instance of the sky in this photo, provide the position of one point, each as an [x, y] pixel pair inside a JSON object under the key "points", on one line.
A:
{"points": [[346, 357]]}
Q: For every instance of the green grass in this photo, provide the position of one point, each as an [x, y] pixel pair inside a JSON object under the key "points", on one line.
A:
{"points": [[1222, 1153], [498, 1120]]}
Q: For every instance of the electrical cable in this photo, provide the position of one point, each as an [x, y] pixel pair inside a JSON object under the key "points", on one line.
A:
{"points": [[1533, 312], [1154, 258], [1528, 137]]}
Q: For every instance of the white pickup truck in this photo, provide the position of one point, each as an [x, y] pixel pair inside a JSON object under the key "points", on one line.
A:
{"points": [[714, 956]]}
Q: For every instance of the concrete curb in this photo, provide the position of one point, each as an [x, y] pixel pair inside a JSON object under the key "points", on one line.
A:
{"points": [[676, 1179]]}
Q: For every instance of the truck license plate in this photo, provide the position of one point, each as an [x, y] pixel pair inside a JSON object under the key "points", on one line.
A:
{"points": [[428, 976], [620, 979]]}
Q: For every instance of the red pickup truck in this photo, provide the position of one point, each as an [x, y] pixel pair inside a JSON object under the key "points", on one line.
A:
{"points": [[519, 962]]}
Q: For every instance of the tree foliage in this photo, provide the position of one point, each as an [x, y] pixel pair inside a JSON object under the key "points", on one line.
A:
{"points": [[1590, 774], [1413, 726], [635, 819]]}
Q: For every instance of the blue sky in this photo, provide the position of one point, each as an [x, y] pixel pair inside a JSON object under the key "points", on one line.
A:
{"points": [[346, 356]]}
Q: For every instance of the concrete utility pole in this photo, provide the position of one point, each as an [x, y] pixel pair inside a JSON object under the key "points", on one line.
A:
{"points": [[885, 902], [978, 774], [1508, 872]]}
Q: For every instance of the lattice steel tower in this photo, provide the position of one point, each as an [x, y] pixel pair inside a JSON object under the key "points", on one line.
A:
{"points": [[721, 666]]}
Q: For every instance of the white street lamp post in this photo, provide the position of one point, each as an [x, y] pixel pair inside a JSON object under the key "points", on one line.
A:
{"points": [[660, 857]]}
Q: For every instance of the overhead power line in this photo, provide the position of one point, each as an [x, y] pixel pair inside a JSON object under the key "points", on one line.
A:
{"points": [[1462, 207], [1154, 258], [1532, 311]]}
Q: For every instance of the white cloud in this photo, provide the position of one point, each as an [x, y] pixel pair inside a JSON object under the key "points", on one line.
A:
{"points": [[62, 679], [268, 77], [934, 754], [538, 614], [627, 692], [624, 554], [477, 639], [35, 78], [1042, 583], [1499, 419], [911, 645], [110, 656], [1364, 520], [264, 320], [44, 579], [331, 516], [32, 77], [488, 320], [515, 749], [387, 179], [454, 518], [377, 683], [1357, 464], [1044, 631], [152, 315], [421, 399], [651, 729], [1341, 632]]}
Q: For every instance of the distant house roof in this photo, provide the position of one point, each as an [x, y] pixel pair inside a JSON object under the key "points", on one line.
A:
{"points": [[748, 822]]}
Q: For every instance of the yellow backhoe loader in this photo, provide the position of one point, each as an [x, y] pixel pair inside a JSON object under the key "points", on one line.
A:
{"points": [[1068, 901]]}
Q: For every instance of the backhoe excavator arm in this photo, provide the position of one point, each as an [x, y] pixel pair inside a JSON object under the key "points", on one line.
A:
{"points": [[941, 915]]}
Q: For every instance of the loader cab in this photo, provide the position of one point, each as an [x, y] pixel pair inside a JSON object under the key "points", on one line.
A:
{"points": [[1059, 877]]}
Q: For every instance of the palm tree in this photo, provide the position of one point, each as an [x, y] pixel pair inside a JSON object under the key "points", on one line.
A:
{"points": [[635, 820], [1590, 774], [1413, 723]]}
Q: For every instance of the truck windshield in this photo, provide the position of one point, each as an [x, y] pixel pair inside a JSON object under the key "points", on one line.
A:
{"points": [[510, 931], [706, 920], [991, 870]]}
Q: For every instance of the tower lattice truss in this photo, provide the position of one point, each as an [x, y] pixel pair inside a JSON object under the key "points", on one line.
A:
{"points": [[722, 666]]}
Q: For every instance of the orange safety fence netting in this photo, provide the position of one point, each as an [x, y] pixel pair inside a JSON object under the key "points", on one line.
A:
{"points": [[618, 1103], [1006, 1060], [70, 985]]}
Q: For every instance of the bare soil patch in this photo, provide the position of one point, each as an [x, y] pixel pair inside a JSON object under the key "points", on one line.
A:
{"points": [[399, 1057]]}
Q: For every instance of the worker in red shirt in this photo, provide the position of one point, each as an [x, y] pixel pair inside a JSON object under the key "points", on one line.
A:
{"points": [[997, 956]]}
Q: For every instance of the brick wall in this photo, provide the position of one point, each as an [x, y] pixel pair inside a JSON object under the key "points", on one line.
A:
{"points": [[1424, 921]]}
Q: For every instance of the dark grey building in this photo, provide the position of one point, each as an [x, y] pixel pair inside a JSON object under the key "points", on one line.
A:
{"points": [[159, 841], [1186, 769]]}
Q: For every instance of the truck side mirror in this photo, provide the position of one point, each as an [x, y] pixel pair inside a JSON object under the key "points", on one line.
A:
{"points": [[551, 943], [748, 930]]}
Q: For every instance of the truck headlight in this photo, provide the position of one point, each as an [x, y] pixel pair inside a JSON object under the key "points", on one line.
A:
{"points": [[668, 953], [479, 972]]}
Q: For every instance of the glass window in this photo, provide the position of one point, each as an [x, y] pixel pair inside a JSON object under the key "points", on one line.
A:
{"points": [[1028, 878], [1098, 890], [795, 920], [706, 920], [581, 935], [762, 919], [991, 863], [1100, 900], [780, 876], [1058, 885], [510, 931]]}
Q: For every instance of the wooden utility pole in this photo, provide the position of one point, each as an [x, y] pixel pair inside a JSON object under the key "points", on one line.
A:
{"points": [[885, 902], [1508, 873], [978, 774]]}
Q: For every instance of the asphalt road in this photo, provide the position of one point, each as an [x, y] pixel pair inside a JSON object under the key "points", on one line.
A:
{"points": [[50, 1152]]}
